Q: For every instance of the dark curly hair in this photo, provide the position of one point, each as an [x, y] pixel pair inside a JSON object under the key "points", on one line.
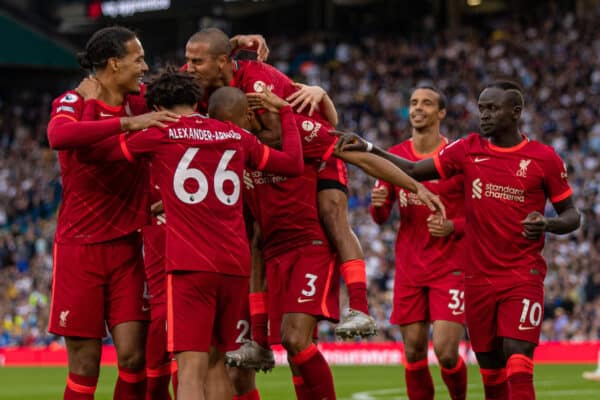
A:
{"points": [[104, 44], [171, 88]]}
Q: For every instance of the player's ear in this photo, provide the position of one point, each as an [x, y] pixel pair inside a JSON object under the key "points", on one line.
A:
{"points": [[222, 60], [517, 112], [113, 64], [442, 113]]}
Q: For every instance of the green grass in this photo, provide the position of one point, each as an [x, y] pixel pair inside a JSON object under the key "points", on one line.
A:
{"points": [[562, 382]]}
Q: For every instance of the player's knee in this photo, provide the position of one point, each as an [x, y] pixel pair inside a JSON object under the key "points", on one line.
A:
{"points": [[242, 379], [415, 353], [294, 342], [512, 347], [447, 357], [133, 359], [85, 365]]}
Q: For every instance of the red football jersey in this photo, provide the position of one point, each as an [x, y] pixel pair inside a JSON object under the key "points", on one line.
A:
{"points": [[502, 186], [101, 201], [420, 257], [252, 76], [286, 208], [198, 164]]}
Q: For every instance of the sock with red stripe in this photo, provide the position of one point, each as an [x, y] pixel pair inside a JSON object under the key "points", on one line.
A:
{"points": [[315, 372], [355, 277], [80, 387], [519, 369], [259, 318], [419, 384], [157, 383], [456, 380], [253, 395], [131, 385], [495, 384], [303, 392]]}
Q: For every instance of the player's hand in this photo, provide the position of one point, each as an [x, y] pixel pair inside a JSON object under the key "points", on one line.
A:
{"points": [[379, 196], [534, 225], [143, 121], [251, 42], [431, 200], [306, 96], [266, 99], [89, 88], [438, 226], [349, 141]]}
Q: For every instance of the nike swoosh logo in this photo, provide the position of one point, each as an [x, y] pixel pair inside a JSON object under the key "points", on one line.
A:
{"points": [[301, 300], [526, 328], [144, 308], [480, 159], [103, 114], [454, 312]]}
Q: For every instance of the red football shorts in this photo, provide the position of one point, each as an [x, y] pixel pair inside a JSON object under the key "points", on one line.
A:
{"points": [[495, 311], [96, 283], [304, 280], [154, 266], [203, 309], [156, 289], [440, 300], [242, 326], [333, 174]]}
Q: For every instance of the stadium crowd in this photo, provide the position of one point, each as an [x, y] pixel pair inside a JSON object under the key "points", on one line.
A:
{"points": [[370, 81]]}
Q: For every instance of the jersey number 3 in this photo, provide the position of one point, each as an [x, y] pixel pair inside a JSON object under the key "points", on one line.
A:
{"points": [[222, 175]]}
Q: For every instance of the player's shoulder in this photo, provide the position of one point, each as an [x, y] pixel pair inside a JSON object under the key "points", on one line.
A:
{"points": [[68, 97], [535, 146], [401, 148], [68, 104]]}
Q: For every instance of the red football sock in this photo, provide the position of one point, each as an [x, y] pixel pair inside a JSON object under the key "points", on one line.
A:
{"points": [[253, 395], [80, 387], [495, 384], [315, 372], [419, 384], [456, 380], [355, 278], [174, 377], [259, 318], [131, 384], [157, 383], [519, 369], [303, 392]]}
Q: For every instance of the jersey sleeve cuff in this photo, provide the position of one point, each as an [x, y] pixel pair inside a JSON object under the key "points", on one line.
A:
{"points": [[438, 166], [562, 196]]}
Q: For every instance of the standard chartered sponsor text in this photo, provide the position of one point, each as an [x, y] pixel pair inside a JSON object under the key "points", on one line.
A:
{"points": [[501, 192]]}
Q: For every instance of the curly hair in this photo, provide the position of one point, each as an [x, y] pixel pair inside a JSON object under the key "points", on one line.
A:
{"points": [[171, 88], [104, 44]]}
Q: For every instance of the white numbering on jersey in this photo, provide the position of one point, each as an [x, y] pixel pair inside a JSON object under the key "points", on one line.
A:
{"points": [[310, 285], [222, 175], [534, 310], [457, 301], [244, 327]]}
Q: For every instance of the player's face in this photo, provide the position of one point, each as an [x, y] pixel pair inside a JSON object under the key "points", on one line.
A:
{"points": [[424, 110], [131, 67], [203, 65], [495, 113]]}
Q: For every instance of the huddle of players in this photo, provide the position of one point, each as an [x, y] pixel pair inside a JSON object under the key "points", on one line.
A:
{"points": [[207, 256]]}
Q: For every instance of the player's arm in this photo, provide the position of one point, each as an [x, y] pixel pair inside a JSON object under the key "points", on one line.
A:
{"points": [[567, 220], [423, 170], [252, 42], [382, 201], [109, 149], [316, 97], [385, 170]]}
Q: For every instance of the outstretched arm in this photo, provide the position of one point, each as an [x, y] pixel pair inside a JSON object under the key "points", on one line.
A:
{"points": [[423, 170], [383, 169]]}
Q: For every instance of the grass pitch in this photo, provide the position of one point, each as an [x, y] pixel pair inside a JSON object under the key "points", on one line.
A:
{"points": [[561, 382]]}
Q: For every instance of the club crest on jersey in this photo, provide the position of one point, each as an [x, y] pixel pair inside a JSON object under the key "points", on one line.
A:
{"points": [[69, 98], [259, 86], [522, 172], [63, 318], [307, 125]]}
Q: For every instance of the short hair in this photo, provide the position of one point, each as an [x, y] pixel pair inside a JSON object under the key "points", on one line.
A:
{"points": [[104, 44], [226, 102], [172, 88], [217, 40], [442, 101], [511, 87]]}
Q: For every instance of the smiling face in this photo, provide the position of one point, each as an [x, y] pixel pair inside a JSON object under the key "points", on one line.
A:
{"points": [[497, 112], [204, 65], [424, 110], [130, 69]]}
